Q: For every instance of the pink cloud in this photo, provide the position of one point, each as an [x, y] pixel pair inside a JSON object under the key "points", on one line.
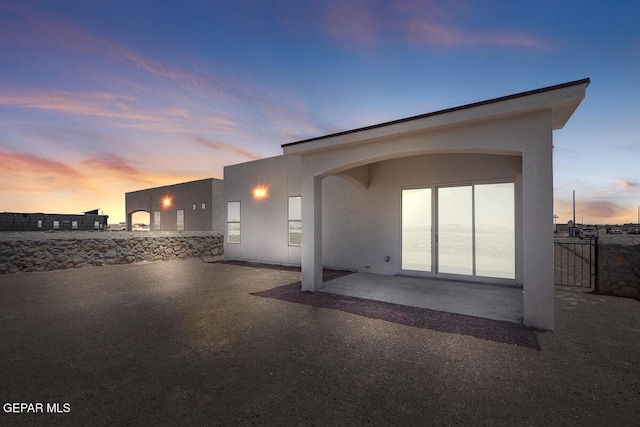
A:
{"points": [[424, 32], [422, 22], [352, 20], [221, 146], [114, 163], [21, 172], [85, 104], [20, 162], [626, 184]]}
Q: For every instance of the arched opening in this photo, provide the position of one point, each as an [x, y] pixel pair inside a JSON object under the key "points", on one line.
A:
{"points": [[139, 221]]}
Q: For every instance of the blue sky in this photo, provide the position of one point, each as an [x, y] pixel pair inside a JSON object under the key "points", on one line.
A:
{"points": [[98, 98]]}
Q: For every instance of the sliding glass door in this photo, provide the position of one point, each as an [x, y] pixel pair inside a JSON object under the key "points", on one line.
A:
{"points": [[416, 229], [455, 230], [475, 234], [495, 230]]}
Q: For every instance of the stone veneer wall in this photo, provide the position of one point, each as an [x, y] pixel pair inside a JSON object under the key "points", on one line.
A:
{"points": [[43, 251], [619, 265]]}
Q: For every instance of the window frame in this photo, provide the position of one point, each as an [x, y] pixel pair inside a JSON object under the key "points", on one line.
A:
{"points": [[234, 222], [177, 220], [294, 219]]}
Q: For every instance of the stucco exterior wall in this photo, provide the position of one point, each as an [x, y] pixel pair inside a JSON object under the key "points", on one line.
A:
{"points": [[363, 226], [264, 223], [183, 197]]}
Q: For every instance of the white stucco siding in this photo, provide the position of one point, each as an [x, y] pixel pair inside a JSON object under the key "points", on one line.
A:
{"points": [[264, 223], [361, 227]]}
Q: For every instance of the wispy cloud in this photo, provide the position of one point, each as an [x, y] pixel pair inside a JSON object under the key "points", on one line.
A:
{"points": [[21, 172], [421, 22], [99, 104], [429, 33], [27, 163], [626, 184], [38, 27], [221, 146], [353, 20], [114, 163], [159, 97]]}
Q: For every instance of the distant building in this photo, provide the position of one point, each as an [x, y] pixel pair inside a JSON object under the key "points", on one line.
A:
{"points": [[89, 221], [189, 206]]}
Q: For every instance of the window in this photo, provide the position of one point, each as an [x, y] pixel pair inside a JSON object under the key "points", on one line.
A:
{"points": [[156, 220], [180, 220], [233, 222], [56, 225], [96, 225], [74, 225], [295, 221], [194, 206], [204, 205], [39, 223]]}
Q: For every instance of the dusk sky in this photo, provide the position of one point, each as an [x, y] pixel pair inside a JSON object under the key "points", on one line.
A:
{"points": [[98, 98]]}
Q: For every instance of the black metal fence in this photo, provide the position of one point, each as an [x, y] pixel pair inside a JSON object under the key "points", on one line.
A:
{"points": [[576, 262]]}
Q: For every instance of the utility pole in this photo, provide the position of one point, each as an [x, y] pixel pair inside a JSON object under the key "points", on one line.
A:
{"points": [[574, 206]]}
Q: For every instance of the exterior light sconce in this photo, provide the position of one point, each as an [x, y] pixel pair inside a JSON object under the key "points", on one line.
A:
{"points": [[260, 192], [166, 202]]}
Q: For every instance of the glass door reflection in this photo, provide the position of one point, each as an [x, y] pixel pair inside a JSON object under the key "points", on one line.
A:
{"points": [[416, 229], [455, 230]]}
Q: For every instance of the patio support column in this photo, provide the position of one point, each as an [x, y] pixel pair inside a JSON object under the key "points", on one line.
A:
{"points": [[311, 233], [537, 211]]}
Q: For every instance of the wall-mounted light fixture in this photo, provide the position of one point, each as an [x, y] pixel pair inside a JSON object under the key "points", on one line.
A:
{"points": [[260, 192]]}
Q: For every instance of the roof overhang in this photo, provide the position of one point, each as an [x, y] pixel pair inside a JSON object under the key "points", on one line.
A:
{"points": [[562, 100]]}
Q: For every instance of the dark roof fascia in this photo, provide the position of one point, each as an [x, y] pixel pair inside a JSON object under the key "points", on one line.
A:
{"points": [[448, 110]]}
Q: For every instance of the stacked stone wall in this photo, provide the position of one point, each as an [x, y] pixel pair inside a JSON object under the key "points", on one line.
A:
{"points": [[619, 265], [38, 251]]}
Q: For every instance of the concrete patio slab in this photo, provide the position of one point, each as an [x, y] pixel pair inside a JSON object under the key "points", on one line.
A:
{"points": [[471, 299]]}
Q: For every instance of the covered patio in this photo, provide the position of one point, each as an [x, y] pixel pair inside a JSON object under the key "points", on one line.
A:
{"points": [[490, 301], [360, 224]]}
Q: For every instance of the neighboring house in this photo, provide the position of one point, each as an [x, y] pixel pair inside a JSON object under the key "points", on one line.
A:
{"points": [[89, 221], [188, 206], [464, 193]]}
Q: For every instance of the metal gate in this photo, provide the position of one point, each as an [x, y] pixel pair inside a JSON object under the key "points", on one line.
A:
{"points": [[576, 262]]}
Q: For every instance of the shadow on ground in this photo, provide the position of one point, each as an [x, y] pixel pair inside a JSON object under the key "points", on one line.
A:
{"points": [[502, 332]]}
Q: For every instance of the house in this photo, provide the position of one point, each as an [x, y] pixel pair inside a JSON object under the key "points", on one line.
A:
{"points": [[464, 193], [89, 221], [188, 206]]}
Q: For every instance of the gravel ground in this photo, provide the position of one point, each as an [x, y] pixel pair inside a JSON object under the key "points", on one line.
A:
{"points": [[185, 342]]}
